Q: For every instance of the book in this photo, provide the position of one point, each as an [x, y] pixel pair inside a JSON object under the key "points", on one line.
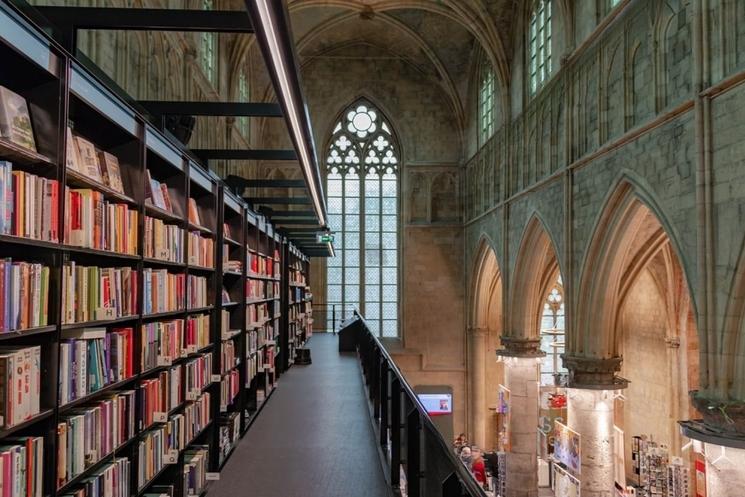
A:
{"points": [[24, 291], [15, 120], [23, 199], [22, 466], [194, 213], [162, 343], [20, 384], [92, 293], [198, 374], [72, 158], [201, 250], [90, 165], [163, 291], [96, 223], [197, 292], [195, 469], [163, 241], [156, 193], [111, 172]]}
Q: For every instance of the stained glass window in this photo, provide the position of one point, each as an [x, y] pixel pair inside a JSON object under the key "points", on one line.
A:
{"points": [[552, 333], [539, 44], [362, 189], [243, 97], [208, 49]]}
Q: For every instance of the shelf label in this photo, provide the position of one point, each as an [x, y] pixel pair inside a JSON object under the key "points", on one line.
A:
{"points": [[193, 394], [191, 349], [160, 417], [223, 408], [170, 457], [215, 378], [164, 361], [164, 254], [105, 313], [194, 260], [211, 476]]}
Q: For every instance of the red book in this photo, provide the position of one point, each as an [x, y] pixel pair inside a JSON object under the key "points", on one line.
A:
{"points": [[54, 187], [3, 297]]}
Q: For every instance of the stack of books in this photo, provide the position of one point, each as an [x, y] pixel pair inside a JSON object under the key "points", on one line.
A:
{"points": [[22, 467], [194, 217], [163, 291], [195, 470], [197, 375], [156, 194], [97, 165], [29, 205], [111, 480], [162, 343], [201, 250], [92, 293], [197, 417], [151, 455], [197, 333], [228, 359], [153, 398], [163, 241], [95, 223], [24, 295], [197, 293], [230, 386], [20, 384]]}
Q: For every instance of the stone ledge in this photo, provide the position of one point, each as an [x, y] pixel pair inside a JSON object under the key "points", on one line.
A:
{"points": [[594, 373], [520, 347]]}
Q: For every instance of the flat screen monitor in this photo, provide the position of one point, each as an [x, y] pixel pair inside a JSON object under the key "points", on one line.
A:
{"points": [[437, 404]]}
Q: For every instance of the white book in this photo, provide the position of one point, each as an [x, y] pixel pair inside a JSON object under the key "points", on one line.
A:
{"points": [[81, 359], [84, 333], [64, 393], [35, 357]]}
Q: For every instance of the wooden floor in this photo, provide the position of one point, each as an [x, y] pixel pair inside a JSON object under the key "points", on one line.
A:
{"points": [[313, 437]]}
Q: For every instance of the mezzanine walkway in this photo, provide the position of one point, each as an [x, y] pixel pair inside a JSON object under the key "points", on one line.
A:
{"points": [[312, 439]]}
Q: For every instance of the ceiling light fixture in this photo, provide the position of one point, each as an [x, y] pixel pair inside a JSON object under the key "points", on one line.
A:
{"points": [[275, 40]]}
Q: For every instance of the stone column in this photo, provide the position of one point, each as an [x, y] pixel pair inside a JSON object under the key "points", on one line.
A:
{"points": [[477, 380], [521, 358], [590, 395], [590, 413]]}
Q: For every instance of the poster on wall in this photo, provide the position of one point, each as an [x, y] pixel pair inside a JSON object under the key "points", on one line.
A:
{"points": [[503, 418], [567, 448], [437, 404], [700, 475], [619, 459], [565, 485]]}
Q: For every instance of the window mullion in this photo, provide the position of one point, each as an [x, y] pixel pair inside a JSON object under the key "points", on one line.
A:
{"points": [[363, 240]]}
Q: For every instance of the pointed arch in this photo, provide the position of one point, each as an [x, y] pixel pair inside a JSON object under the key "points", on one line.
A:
{"points": [[485, 276], [731, 380], [629, 233], [536, 268]]}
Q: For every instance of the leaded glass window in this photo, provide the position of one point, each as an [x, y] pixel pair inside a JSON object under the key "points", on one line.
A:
{"points": [[552, 333], [243, 97], [486, 105], [208, 49], [362, 190], [539, 44]]}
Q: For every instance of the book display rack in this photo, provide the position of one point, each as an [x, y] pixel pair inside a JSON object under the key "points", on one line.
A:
{"points": [[139, 298]]}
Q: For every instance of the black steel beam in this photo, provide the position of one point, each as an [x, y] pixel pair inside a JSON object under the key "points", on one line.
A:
{"points": [[275, 183], [303, 214], [135, 19], [294, 231], [255, 154], [300, 222], [235, 109], [278, 200]]}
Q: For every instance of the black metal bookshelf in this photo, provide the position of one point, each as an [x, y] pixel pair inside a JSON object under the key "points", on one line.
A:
{"points": [[61, 93]]}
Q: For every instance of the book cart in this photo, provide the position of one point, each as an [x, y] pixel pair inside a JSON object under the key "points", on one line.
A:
{"points": [[144, 301]]}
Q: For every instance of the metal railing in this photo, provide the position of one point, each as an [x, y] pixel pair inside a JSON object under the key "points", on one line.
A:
{"points": [[416, 453], [328, 317]]}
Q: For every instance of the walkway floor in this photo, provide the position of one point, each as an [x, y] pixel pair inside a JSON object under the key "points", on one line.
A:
{"points": [[312, 439]]}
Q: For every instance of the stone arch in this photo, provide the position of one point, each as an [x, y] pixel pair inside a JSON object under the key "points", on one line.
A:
{"points": [[629, 233], [535, 269], [485, 323], [729, 382]]}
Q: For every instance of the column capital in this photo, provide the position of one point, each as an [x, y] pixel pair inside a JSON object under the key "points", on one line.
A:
{"points": [[724, 417], [478, 331], [520, 347], [594, 373]]}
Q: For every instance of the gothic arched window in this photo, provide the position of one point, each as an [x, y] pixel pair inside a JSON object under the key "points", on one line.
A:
{"points": [[539, 44], [552, 333], [208, 49], [486, 103], [362, 165]]}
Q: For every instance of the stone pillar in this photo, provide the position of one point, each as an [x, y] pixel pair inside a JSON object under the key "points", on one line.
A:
{"points": [[590, 413], [521, 358], [477, 381], [591, 389]]}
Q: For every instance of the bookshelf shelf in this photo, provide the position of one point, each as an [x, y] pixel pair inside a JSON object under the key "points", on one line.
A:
{"points": [[21, 155], [201, 229], [29, 242], [163, 263], [163, 214], [42, 416], [10, 335], [231, 242], [74, 178], [163, 315], [98, 393], [100, 253], [93, 467], [201, 269], [226, 305], [197, 310], [100, 323]]}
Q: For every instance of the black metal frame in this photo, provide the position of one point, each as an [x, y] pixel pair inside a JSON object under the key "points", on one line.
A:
{"points": [[430, 464]]}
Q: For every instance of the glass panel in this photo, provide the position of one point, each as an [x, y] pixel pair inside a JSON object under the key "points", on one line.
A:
{"points": [[389, 223], [334, 206], [334, 293], [352, 187], [372, 258], [335, 222], [352, 205], [352, 276], [390, 310], [352, 258], [372, 205], [334, 276], [372, 293], [372, 240], [372, 223], [334, 187], [390, 328], [372, 276], [334, 261], [372, 313], [389, 240], [351, 293], [372, 188], [389, 188], [389, 205], [352, 223], [389, 257], [390, 275], [373, 325], [390, 292], [352, 240]]}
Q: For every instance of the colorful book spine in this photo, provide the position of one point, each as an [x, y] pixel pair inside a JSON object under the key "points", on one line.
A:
{"points": [[92, 222], [20, 384], [22, 467], [197, 292], [163, 241], [201, 250], [162, 343], [230, 386], [198, 375], [92, 293], [24, 295], [229, 359], [110, 480], [29, 205], [195, 470], [163, 291]]}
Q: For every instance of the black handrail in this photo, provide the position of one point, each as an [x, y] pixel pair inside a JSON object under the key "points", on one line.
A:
{"points": [[432, 468]]}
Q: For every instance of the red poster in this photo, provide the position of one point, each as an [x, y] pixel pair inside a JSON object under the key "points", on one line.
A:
{"points": [[700, 476]]}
